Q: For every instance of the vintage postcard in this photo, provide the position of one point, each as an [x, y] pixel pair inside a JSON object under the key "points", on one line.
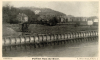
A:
{"points": [[50, 30]]}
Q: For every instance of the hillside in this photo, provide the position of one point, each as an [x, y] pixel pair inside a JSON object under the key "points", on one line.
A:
{"points": [[43, 11]]}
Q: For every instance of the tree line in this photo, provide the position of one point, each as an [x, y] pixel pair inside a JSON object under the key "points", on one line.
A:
{"points": [[10, 14]]}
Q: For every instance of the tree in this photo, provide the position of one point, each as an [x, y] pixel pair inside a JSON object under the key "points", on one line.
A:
{"points": [[6, 18]]}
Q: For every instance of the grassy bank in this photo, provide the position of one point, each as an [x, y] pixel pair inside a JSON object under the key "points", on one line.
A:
{"points": [[34, 29]]}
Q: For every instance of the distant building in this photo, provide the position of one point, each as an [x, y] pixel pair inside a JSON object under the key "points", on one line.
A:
{"points": [[94, 20], [37, 11], [22, 18]]}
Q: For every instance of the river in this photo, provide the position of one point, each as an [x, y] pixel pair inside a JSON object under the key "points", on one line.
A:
{"points": [[79, 49]]}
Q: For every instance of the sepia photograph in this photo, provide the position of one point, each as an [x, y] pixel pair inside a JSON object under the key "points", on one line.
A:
{"points": [[50, 29]]}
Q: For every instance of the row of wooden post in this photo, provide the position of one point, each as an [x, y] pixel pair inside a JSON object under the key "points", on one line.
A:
{"points": [[47, 38]]}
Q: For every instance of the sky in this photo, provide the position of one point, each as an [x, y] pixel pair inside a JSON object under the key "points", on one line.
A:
{"points": [[75, 8]]}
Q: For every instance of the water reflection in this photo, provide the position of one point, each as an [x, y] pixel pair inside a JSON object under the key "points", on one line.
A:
{"points": [[79, 49]]}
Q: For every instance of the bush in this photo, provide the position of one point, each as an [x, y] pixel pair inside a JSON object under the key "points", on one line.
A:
{"points": [[6, 18], [77, 24]]}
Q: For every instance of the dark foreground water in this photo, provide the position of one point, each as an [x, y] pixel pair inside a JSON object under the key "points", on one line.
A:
{"points": [[79, 49]]}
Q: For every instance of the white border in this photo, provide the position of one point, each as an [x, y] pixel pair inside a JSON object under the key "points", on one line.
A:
{"points": [[30, 58]]}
